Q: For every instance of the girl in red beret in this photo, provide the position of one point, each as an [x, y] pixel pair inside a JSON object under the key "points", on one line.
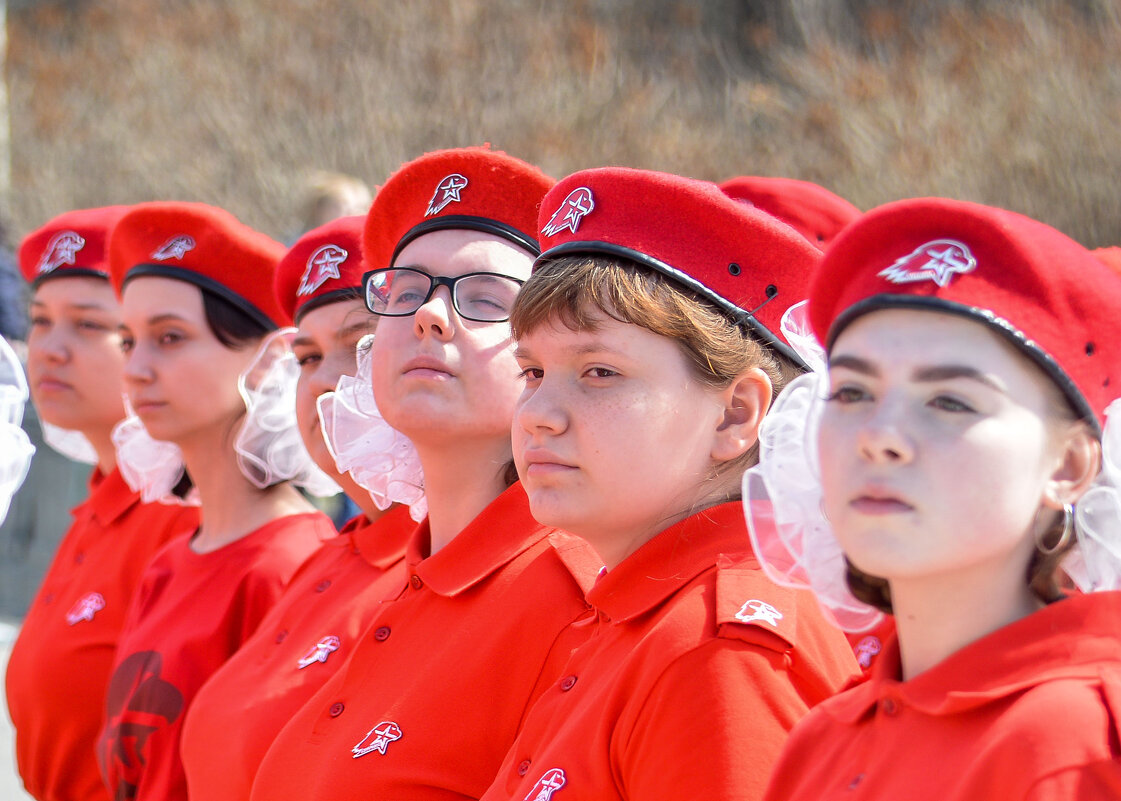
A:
{"points": [[313, 627], [198, 306], [973, 355], [649, 341], [60, 665], [490, 602]]}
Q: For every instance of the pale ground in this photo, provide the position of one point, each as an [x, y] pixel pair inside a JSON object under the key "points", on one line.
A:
{"points": [[10, 787]]}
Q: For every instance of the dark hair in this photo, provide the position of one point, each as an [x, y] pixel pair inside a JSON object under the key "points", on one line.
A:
{"points": [[233, 327], [235, 330]]}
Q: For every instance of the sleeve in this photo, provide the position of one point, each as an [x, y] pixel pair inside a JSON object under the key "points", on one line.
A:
{"points": [[712, 726], [1096, 781]]}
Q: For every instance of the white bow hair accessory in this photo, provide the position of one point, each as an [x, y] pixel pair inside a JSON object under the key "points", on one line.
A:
{"points": [[149, 466], [16, 449], [269, 446], [379, 458], [782, 494]]}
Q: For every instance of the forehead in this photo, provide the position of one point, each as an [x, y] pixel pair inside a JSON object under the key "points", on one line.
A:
{"points": [[455, 252], [900, 340], [76, 289], [148, 296], [324, 322]]}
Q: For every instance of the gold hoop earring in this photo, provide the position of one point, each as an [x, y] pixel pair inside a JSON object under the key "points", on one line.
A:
{"points": [[1064, 537]]}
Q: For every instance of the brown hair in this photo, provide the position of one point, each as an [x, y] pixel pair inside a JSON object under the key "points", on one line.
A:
{"points": [[575, 290]]}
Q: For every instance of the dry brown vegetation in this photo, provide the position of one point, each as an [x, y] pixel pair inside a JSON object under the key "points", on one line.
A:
{"points": [[235, 103]]}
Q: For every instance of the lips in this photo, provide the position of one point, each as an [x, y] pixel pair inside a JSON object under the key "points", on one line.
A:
{"points": [[426, 366], [52, 384], [542, 462], [880, 501]]}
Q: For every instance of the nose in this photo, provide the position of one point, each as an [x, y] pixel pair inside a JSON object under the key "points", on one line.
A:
{"points": [[436, 317], [883, 439], [138, 365], [541, 410], [50, 346]]}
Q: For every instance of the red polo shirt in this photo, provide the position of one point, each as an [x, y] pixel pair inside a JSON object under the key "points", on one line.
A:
{"points": [[698, 668], [60, 665], [1031, 711], [299, 645], [435, 690], [191, 612]]}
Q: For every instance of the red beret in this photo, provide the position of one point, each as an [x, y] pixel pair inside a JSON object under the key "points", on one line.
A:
{"points": [[324, 266], [71, 244], [472, 187], [811, 210], [751, 265], [1110, 257], [1039, 289], [203, 245]]}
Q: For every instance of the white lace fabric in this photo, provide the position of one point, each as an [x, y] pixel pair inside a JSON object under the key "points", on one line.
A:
{"points": [[16, 449], [269, 446], [379, 458], [149, 466]]}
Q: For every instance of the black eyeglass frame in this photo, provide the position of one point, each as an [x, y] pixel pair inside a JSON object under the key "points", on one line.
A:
{"points": [[435, 282]]}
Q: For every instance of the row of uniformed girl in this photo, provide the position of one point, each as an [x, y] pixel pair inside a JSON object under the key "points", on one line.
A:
{"points": [[544, 398]]}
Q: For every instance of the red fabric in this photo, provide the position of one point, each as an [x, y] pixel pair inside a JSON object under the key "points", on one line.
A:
{"points": [[811, 210], [191, 612], [867, 646], [60, 665], [74, 242], [322, 263], [736, 255], [442, 188], [1024, 273], [1110, 257], [1031, 711], [334, 594], [199, 244], [679, 693], [446, 670]]}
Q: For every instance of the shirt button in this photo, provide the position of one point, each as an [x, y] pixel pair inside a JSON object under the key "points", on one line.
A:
{"points": [[856, 780], [336, 709], [281, 635], [417, 582], [889, 706], [48, 598], [567, 683], [523, 767], [321, 586], [79, 558], [381, 633]]}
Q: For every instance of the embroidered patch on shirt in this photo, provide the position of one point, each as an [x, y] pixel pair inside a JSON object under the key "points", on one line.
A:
{"points": [[758, 610], [377, 739], [548, 784], [87, 606], [319, 652]]}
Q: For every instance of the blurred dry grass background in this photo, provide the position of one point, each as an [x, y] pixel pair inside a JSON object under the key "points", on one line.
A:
{"points": [[236, 103]]}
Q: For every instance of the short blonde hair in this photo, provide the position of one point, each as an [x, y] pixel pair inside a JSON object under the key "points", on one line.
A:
{"points": [[574, 290]]}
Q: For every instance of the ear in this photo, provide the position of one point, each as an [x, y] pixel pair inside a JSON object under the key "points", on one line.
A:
{"points": [[1080, 462], [745, 403]]}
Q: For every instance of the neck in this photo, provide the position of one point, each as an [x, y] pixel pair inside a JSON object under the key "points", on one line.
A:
{"points": [[102, 441], [936, 616], [360, 497], [232, 507], [459, 482]]}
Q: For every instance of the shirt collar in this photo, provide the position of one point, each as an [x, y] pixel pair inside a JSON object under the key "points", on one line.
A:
{"points": [[502, 531], [110, 497], [669, 561], [1067, 639], [381, 543]]}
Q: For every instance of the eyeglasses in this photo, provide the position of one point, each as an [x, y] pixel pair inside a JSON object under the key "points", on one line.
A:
{"points": [[401, 291]]}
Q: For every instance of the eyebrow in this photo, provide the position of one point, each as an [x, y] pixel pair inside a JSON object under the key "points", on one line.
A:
{"points": [[97, 307], [941, 372], [579, 350], [349, 330]]}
